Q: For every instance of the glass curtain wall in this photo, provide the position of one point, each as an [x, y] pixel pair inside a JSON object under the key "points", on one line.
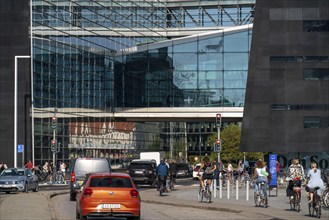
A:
{"points": [[81, 72]]}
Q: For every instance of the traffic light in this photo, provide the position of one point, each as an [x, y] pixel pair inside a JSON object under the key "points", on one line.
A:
{"points": [[218, 146], [53, 145], [53, 123], [218, 120]]}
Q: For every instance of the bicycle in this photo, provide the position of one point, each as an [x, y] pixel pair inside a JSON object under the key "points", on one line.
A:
{"points": [[325, 197], [162, 185], [260, 196], [295, 199], [59, 178], [315, 206], [206, 193]]}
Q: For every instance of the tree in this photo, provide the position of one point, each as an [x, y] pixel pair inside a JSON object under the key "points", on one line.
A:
{"points": [[230, 139]]}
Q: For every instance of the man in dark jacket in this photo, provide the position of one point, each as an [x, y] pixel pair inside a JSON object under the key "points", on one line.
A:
{"points": [[162, 172]]}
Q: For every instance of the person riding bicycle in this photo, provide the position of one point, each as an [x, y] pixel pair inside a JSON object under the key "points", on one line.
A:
{"points": [[261, 174], [208, 173], [173, 169], [295, 176], [162, 172], [315, 180]]}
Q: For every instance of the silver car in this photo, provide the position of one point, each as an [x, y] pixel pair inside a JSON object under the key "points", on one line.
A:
{"points": [[18, 180]]}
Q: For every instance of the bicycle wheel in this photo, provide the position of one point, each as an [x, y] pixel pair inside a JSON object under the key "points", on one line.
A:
{"points": [[325, 198], [318, 207], [208, 192], [200, 194], [297, 204], [291, 202], [256, 199]]}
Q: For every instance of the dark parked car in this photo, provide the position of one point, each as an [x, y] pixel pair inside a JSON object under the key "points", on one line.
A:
{"points": [[18, 180], [184, 170], [81, 167], [143, 172]]}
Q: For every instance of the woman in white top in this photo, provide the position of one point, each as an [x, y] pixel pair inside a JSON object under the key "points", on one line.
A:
{"points": [[315, 180], [260, 173]]}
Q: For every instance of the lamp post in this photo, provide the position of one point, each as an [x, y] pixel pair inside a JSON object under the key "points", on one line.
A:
{"points": [[15, 108]]}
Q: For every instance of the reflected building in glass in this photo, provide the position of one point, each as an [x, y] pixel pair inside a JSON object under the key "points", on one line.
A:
{"points": [[91, 60]]}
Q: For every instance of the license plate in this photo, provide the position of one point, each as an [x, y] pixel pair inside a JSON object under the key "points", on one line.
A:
{"points": [[6, 186], [138, 171], [111, 206]]}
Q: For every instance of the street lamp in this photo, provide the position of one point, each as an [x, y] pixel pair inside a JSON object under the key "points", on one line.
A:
{"points": [[15, 109]]}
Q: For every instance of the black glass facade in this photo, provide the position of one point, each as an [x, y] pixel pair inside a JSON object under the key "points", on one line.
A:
{"points": [[287, 96]]}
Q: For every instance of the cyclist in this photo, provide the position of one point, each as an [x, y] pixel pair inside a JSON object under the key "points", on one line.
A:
{"points": [[315, 180], [162, 172], [261, 174], [295, 176], [173, 169], [208, 173]]}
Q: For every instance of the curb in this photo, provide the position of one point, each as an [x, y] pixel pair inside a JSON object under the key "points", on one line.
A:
{"points": [[51, 208]]}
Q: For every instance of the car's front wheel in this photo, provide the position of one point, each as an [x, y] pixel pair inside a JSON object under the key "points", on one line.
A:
{"points": [[26, 188], [36, 188]]}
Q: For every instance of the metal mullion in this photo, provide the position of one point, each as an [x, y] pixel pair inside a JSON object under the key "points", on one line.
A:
{"points": [[96, 32], [228, 15], [188, 14], [209, 16]]}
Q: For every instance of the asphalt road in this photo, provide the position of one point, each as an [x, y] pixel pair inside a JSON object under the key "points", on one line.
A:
{"points": [[52, 202]]}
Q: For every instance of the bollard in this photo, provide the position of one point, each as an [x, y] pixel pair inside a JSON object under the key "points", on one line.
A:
{"points": [[247, 191], [220, 186], [214, 187], [228, 188], [237, 190]]}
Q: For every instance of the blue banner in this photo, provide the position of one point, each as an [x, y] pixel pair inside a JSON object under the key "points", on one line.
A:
{"points": [[272, 168]]}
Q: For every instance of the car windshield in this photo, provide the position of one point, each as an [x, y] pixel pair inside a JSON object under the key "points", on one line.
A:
{"points": [[12, 172], [110, 182], [182, 166], [140, 166]]}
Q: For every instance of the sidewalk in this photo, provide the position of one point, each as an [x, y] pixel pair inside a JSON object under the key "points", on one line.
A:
{"points": [[186, 196]]}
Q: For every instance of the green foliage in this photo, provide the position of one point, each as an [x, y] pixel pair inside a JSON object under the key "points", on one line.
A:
{"points": [[230, 138]]}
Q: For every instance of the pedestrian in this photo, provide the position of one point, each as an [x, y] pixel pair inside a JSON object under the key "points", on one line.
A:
{"points": [[29, 165], [218, 169], [63, 168], [3, 166], [240, 168], [278, 171], [229, 171], [51, 171]]}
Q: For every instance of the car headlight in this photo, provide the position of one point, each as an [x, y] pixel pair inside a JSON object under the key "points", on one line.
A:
{"points": [[19, 182]]}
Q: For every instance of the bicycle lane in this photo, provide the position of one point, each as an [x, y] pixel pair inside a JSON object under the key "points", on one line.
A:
{"points": [[278, 207]]}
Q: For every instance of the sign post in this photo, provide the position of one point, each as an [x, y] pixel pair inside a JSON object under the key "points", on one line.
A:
{"points": [[272, 168], [218, 143], [20, 149]]}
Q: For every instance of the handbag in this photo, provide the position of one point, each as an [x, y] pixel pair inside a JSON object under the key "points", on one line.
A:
{"points": [[208, 170], [264, 172]]}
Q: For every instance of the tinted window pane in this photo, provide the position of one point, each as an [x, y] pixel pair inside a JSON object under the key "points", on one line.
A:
{"points": [[110, 182]]}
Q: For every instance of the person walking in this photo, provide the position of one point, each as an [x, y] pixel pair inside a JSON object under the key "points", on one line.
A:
{"points": [[217, 171], [3, 166]]}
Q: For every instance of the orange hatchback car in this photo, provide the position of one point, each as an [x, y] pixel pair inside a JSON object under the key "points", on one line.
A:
{"points": [[108, 195]]}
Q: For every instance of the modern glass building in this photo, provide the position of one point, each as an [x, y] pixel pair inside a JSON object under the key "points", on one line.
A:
{"points": [[92, 61]]}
